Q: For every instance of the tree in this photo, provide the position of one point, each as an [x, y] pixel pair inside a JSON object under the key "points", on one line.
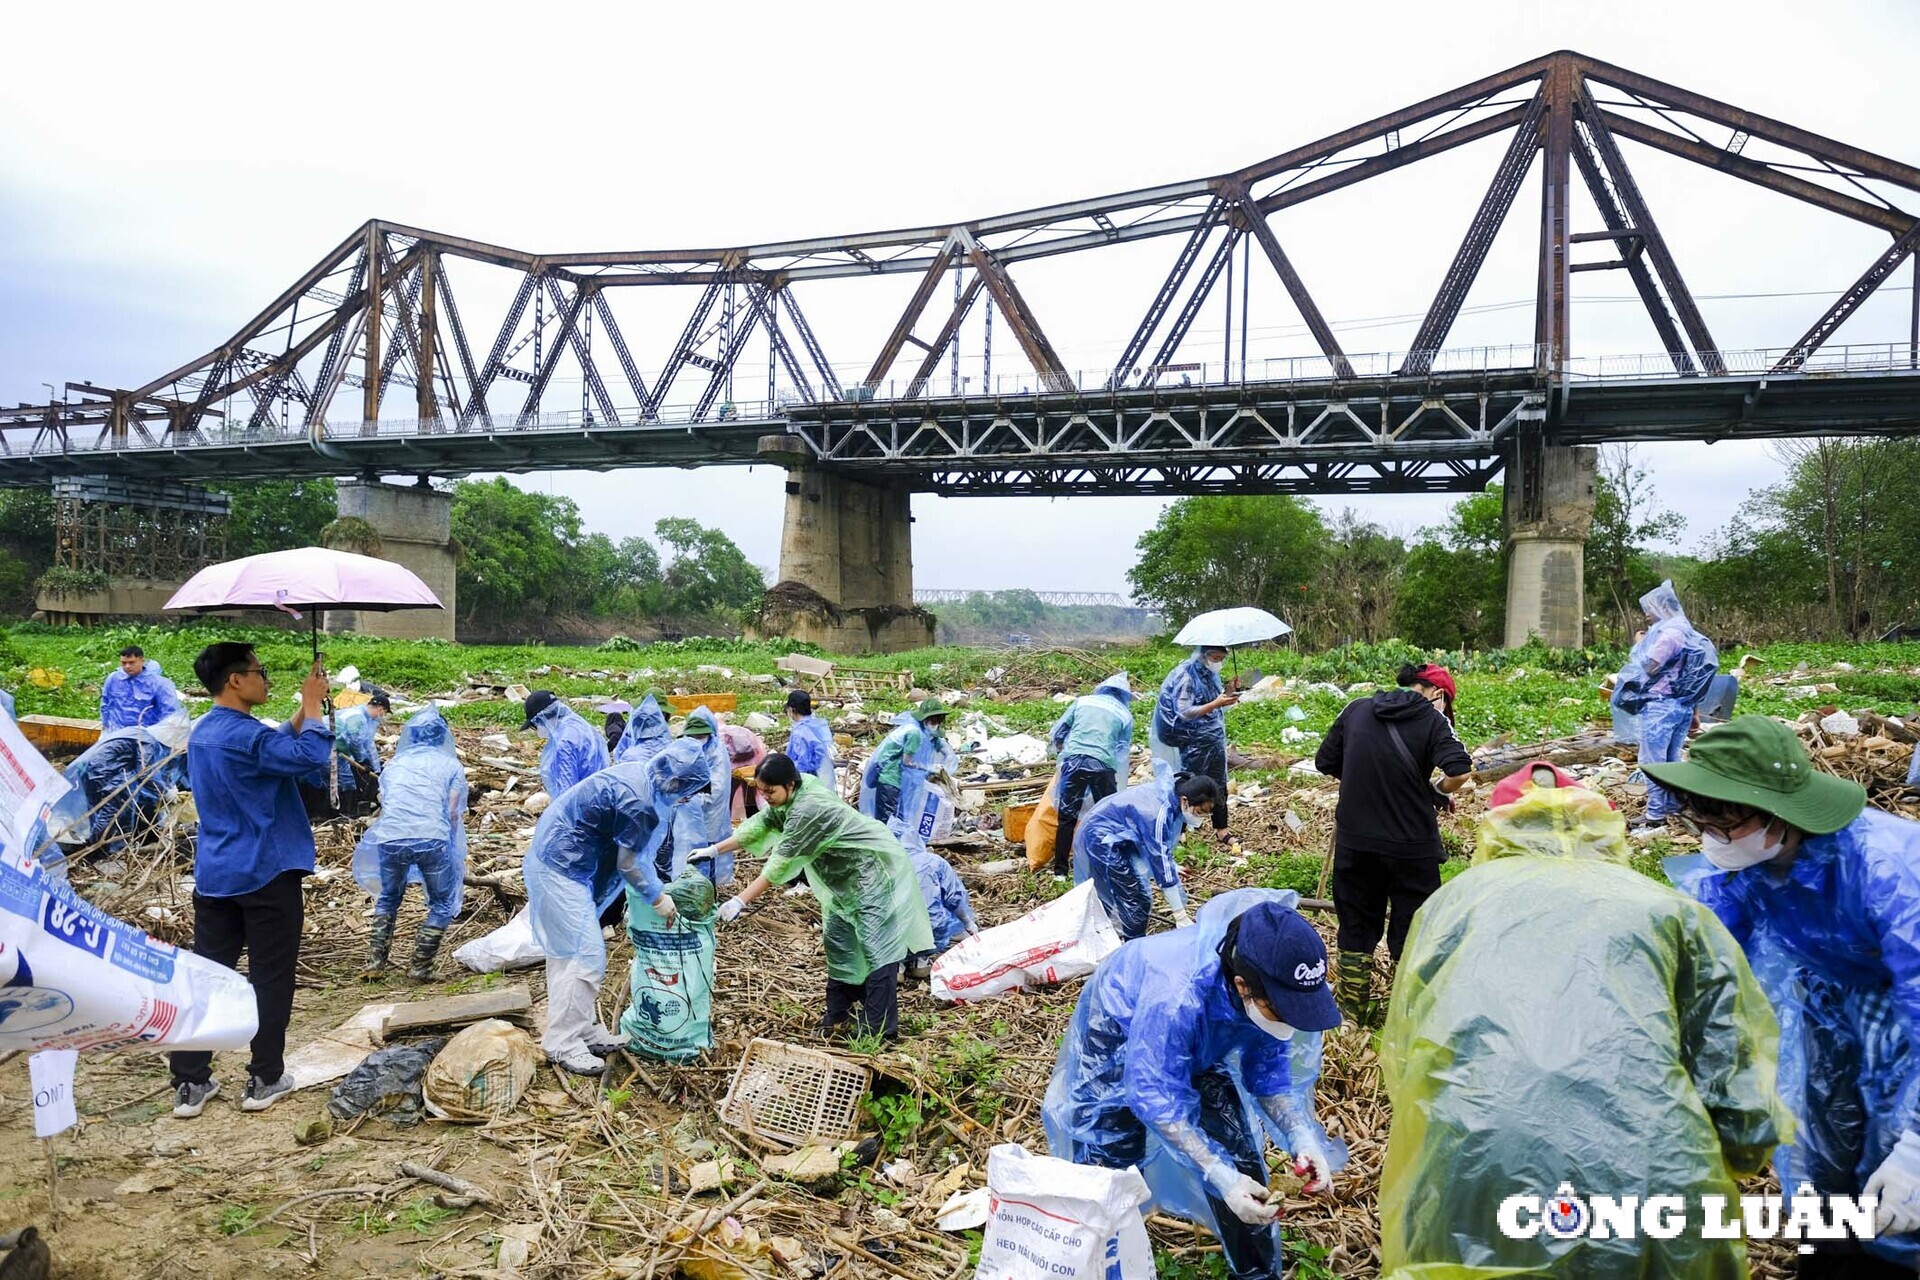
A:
{"points": [[521, 553], [1453, 591], [1627, 517], [1211, 553], [274, 515], [1353, 597], [708, 576], [26, 546], [624, 578]]}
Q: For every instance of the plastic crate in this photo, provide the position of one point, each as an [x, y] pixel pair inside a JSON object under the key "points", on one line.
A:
{"points": [[718, 703], [785, 1094]]}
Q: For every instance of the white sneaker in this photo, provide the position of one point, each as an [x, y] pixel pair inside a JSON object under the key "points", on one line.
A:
{"points": [[577, 1062], [262, 1094], [189, 1100]]}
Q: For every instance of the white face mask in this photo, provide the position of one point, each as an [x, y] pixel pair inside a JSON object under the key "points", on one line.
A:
{"points": [[1191, 818], [1215, 666], [1755, 847], [1272, 1026]]}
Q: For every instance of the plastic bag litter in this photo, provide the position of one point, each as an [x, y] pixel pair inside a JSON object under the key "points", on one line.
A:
{"points": [[511, 946], [669, 1014], [1064, 939], [1052, 1219], [480, 1074], [1043, 826], [386, 1083]]}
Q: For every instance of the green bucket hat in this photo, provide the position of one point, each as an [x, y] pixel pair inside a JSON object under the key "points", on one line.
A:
{"points": [[1759, 762], [930, 708]]}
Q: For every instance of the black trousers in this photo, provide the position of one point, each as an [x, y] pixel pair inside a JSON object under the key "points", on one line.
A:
{"points": [[1250, 1251], [874, 1004], [1083, 780], [1209, 760], [1368, 888], [266, 925]]}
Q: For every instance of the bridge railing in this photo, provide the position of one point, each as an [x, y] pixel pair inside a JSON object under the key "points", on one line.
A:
{"points": [[1869, 357]]}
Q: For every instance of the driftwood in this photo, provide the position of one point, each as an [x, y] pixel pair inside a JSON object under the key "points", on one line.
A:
{"points": [[1581, 748], [460, 1189], [514, 1004]]}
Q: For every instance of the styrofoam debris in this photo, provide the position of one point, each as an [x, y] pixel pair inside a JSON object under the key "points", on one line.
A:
{"points": [[1840, 725], [760, 721], [536, 804], [1303, 769], [1063, 697], [1293, 736]]}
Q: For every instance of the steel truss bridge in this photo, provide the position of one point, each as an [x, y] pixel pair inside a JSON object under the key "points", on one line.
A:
{"points": [[377, 319], [1058, 599]]}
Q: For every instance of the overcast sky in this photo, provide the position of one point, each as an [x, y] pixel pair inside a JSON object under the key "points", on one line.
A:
{"points": [[165, 171]]}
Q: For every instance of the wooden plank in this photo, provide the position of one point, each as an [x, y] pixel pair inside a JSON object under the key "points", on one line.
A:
{"points": [[514, 1004], [50, 732]]}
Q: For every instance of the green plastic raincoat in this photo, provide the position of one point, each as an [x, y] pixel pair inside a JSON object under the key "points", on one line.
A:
{"points": [[1559, 1018], [871, 911]]}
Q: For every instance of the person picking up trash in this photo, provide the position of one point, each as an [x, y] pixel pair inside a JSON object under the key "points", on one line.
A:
{"points": [[255, 846], [1668, 674], [893, 787], [1189, 725], [1522, 1051], [949, 908], [646, 733], [570, 750], [1092, 739], [1824, 895], [872, 916], [1183, 1048], [598, 833], [356, 758], [1385, 749], [421, 834], [810, 741], [1125, 845], [705, 815], [136, 695]]}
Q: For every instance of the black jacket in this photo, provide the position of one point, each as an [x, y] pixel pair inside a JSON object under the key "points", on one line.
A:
{"points": [[1386, 805]]}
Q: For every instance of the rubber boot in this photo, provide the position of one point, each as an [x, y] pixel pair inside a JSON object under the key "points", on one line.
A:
{"points": [[1353, 988], [426, 945], [379, 942]]}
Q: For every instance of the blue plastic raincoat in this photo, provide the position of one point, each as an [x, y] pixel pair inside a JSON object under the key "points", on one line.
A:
{"points": [[949, 909], [1098, 725], [571, 750], [896, 779], [1667, 675], [810, 747], [1125, 844], [353, 741], [686, 771], [130, 701], [1559, 1017], [1156, 1027], [646, 734], [119, 783], [421, 833], [1836, 946], [598, 835], [1172, 733]]}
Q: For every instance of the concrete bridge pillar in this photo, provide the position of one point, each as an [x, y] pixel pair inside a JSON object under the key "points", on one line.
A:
{"points": [[415, 524], [846, 562], [1549, 508]]}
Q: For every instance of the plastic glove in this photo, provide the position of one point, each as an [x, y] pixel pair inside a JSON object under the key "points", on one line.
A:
{"points": [[1245, 1198], [730, 909], [1310, 1154], [668, 909], [1897, 1183], [1181, 918], [705, 851]]}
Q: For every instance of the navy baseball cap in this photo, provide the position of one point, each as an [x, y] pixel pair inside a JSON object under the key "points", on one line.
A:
{"points": [[1282, 956], [536, 702]]}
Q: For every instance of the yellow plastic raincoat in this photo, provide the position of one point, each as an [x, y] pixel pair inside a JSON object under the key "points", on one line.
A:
{"points": [[1559, 1018], [871, 911]]}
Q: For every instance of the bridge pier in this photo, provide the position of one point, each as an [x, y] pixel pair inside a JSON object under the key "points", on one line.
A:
{"points": [[846, 562], [1549, 509], [415, 524]]}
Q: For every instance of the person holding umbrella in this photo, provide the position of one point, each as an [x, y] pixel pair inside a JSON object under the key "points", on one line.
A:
{"points": [[254, 848], [1189, 725]]}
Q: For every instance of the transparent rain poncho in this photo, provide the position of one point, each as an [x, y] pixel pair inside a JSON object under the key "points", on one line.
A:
{"points": [[119, 784], [1098, 725], [1189, 685], [597, 835], [420, 836], [949, 908], [1836, 945], [356, 759], [1155, 1016], [871, 911], [646, 734], [810, 747], [1557, 1017], [688, 773], [1125, 845], [571, 750], [908, 757], [1672, 662], [129, 702]]}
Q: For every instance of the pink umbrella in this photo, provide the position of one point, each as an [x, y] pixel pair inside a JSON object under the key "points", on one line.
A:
{"points": [[307, 578]]}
